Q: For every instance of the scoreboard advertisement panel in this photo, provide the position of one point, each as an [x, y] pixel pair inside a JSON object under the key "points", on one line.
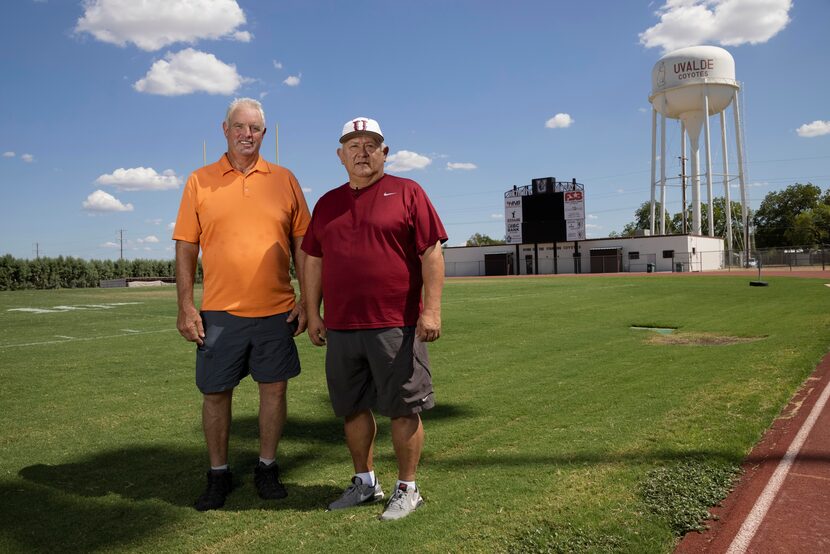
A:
{"points": [[513, 220], [574, 210]]}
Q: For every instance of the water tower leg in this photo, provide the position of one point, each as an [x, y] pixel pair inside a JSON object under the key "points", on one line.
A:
{"points": [[711, 214], [685, 219], [726, 192], [653, 164], [695, 187], [740, 153], [663, 174]]}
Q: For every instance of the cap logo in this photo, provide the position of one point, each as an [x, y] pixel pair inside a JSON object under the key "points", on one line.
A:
{"points": [[359, 124]]}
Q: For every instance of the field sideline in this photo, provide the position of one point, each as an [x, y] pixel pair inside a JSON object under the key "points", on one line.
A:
{"points": [[554, 419]]}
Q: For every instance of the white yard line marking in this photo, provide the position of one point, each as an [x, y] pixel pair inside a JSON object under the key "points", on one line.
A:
{"points": [[134, 333], [750, 526], [59, 309], [64, 337], [129, 330]]}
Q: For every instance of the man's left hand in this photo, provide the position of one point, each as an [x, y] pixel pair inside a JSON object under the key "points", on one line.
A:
{"points": [[428, 328], [298, 313]]}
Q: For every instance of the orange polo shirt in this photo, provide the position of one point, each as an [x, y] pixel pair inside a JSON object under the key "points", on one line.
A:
{"points": [[244, 225]]}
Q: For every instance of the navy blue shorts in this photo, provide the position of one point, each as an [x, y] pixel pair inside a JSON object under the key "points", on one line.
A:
{"points": [[236, 346]]}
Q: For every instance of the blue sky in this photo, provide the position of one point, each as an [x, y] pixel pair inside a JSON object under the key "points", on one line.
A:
{"points": [[107, 103]]}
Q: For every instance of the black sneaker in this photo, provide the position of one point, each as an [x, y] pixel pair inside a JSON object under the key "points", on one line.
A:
{"points": [[267, 481], [218, 487]]}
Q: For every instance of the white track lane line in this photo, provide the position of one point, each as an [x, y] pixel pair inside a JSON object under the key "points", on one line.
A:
{"points": [[64, 341], [750, 526]]}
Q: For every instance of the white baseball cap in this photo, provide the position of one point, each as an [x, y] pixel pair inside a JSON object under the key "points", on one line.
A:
{"points": [[361, 125]]}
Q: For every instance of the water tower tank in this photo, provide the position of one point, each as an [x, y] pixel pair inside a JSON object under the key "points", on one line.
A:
{"points": [[678, 80]]}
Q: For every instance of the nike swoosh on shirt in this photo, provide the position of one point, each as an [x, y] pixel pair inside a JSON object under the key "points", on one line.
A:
{"points": [[389, 193]]}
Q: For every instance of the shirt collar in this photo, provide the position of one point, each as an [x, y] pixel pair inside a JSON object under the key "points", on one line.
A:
{"points": [[261, 165]]}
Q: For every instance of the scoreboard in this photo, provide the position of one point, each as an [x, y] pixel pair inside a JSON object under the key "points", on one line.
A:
{"points": [[545, 211]]}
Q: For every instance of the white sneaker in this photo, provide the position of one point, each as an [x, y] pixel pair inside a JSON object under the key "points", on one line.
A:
{"points": [[405, 501], [356, 494]]}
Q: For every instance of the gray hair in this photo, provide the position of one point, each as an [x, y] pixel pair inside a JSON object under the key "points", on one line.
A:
{"points": [[247, 102]]}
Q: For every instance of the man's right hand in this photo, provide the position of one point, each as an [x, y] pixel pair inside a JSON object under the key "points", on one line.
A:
{"points": [[316, 330], [189, 324]]}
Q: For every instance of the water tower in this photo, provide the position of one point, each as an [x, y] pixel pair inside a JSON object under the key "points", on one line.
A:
{"points": [[692, 84]]}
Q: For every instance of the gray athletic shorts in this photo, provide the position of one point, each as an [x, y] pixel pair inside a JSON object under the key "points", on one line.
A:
{"points": [[236, 346], [382, 369]]}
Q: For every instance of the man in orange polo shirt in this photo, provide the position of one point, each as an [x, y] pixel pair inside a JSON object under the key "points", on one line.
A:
{"points": [[248, 217]]}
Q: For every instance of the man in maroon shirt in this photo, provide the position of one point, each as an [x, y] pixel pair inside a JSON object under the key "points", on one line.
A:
{"points": [[374, 245]]}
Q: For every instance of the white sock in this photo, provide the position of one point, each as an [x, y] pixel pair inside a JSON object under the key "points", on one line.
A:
{"points": [[217, 469], [407, 483], [368, 478], [266, 461]]}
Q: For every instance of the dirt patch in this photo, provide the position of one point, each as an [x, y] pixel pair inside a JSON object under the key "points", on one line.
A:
{"points": [[701, 339]]}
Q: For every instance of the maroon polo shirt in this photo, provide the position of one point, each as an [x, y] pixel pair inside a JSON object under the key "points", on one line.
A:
{"points": [[371, 241]]}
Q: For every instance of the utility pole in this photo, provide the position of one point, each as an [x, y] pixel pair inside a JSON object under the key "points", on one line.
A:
{"points": [[37, 250], [121, 234], [683, 189]]}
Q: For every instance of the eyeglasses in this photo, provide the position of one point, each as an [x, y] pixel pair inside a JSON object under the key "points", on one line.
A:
{"points": [[240, 128]]}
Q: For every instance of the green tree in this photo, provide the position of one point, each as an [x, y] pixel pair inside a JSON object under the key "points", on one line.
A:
{"points": [[482, 240], [642, 220], [778, 211], [811, 227]]}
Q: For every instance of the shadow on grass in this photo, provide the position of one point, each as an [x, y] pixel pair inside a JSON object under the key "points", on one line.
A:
{"points": [[36, 518], [173, 476], [567, 459]]}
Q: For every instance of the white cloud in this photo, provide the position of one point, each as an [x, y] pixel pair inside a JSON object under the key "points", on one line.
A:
{"points": [[726, 22], [171, 225], [100, 201], [156, 221], [150, 239], [28, 158], [293, 80], [559, 121], [592, 216], [8, 154], [263, 95], [306, 190], [109, 244], [277, 65], [461, 165], [187, 72], [140, 178], [814, 129], [154, 24], [406, 161], [496, 216]]}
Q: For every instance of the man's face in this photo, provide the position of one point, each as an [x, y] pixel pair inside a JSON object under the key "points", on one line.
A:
{"points": [[363, 157], [245, 131]]}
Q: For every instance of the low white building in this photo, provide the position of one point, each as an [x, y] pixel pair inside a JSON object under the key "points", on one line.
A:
{"points": [[607, 255]]}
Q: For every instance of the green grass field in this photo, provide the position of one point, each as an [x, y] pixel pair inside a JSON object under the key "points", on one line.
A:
{"points": [[556, 425]]}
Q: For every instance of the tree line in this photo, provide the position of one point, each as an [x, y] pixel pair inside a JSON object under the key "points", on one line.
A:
{"points": [[68, 272], [796, 216]]}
